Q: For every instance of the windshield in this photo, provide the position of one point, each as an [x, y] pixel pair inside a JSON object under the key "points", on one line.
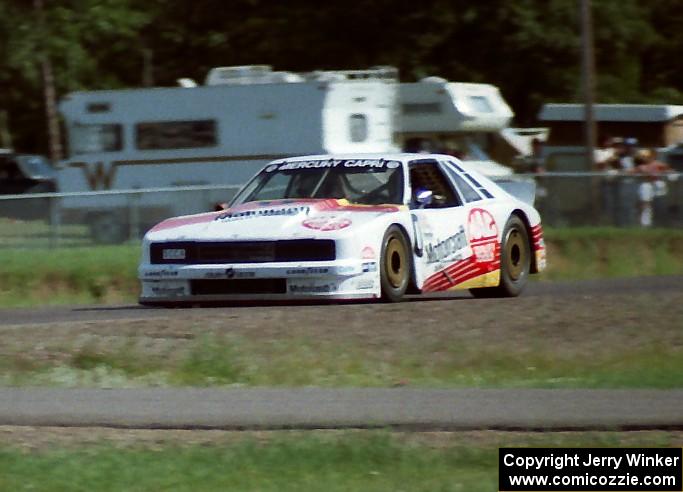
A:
{"points": [[34, 166], [365, 181]]}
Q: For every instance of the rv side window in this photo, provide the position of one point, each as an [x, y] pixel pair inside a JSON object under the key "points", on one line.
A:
{"points": [[481, 104], [358, 127], [86, 139], [175, 134], [420, 108]]}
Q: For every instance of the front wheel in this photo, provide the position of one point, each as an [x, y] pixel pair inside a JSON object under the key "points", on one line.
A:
{"points": [[395, 265], [515, 262]]}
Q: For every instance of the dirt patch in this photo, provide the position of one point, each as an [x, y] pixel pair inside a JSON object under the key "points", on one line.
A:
{"points": [[37, 439], [572, 324]]}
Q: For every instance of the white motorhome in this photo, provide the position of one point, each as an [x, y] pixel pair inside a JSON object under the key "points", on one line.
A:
{"points": [[223, 132]]}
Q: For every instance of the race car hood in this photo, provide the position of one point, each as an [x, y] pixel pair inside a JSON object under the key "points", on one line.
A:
{"points": [[278, 219]]}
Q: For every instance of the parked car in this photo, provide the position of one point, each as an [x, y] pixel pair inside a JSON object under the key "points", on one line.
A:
{"points": [[25, 174], [349, 227]]}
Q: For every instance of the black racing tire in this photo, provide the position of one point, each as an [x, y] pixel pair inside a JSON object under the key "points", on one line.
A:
{"points": [[165, 305], [515, 261], [395, 265], [485, 292]]}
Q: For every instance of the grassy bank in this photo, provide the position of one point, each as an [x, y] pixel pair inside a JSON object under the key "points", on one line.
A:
{"points": [[108, 274], [282, 461], [238, 362], [82, 275], [584, 253]]}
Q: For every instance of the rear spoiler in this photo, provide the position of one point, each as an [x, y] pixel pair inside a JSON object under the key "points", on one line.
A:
{"points": [[523, 189]]}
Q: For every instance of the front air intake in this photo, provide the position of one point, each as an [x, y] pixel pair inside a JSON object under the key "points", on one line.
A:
{"points": [[239, 286], [215, 252]]}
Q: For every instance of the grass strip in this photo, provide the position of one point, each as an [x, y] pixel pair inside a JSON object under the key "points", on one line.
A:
{"points": [[108, 274], [211, 361], [104, 274], [604, 252], [333, 461]]}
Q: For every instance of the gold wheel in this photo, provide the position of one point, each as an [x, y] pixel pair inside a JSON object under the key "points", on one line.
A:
{"points": [[515, 252], [395, 262]]}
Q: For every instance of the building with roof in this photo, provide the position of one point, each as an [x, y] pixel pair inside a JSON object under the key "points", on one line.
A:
{"points": [[654, 125]]}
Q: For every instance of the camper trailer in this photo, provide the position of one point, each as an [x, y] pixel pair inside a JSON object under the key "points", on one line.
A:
{"points": [[223, 131]]}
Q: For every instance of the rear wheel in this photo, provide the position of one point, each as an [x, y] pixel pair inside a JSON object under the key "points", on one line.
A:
{"points": [[515, 262], [395, 265]]}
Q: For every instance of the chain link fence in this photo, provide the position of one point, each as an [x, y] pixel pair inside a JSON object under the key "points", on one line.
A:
{"points": [[111, 217], [610, 199], [103, 217]]}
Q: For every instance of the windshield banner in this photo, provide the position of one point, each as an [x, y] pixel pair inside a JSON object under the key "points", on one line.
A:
{"points": [[334, 163]]}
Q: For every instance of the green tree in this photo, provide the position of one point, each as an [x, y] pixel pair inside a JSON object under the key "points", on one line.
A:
{"points": [[57, 45], [529, 48], [662, 64]]}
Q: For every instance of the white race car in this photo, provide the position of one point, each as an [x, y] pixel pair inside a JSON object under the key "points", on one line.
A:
{"points": [[349, 227]]}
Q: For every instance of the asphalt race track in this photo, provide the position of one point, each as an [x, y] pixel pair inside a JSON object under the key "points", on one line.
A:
{"points": [[672, 285], [311, 408]]}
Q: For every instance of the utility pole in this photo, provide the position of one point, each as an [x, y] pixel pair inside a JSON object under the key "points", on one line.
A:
{"points": [[588, 81], [5, 135], [147, 67], [49, 92]]}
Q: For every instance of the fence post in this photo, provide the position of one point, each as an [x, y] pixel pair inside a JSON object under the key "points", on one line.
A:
{"points": [[134, 215], [55, 220]]}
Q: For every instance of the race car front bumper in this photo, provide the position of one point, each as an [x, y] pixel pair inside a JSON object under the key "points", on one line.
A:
{"points": [[346, 279]]}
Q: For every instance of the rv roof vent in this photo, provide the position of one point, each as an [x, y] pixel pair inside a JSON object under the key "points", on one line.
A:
{"points": [[263, 74], [286, 77], [186, 82], [329, 76], [386, 73], [434, 80], [245, 74]]}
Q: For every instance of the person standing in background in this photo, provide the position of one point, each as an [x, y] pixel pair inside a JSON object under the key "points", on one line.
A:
{"points": [[619, 189], [652, 189], [608, 161], [605, 154]]}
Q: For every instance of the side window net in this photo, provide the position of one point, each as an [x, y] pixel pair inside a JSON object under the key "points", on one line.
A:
{"points": [[429, 176]]}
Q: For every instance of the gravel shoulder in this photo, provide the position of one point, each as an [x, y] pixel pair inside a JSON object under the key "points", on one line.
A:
{"points": [[609, 334]]}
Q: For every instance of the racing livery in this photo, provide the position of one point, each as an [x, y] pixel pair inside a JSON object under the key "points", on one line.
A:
{"points": [[349, 227]]}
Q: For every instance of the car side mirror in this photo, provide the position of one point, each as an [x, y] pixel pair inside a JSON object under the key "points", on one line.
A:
{"points": [[424, 197]]}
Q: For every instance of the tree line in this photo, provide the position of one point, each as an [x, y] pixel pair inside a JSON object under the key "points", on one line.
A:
{"points": [[528, 48]]}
